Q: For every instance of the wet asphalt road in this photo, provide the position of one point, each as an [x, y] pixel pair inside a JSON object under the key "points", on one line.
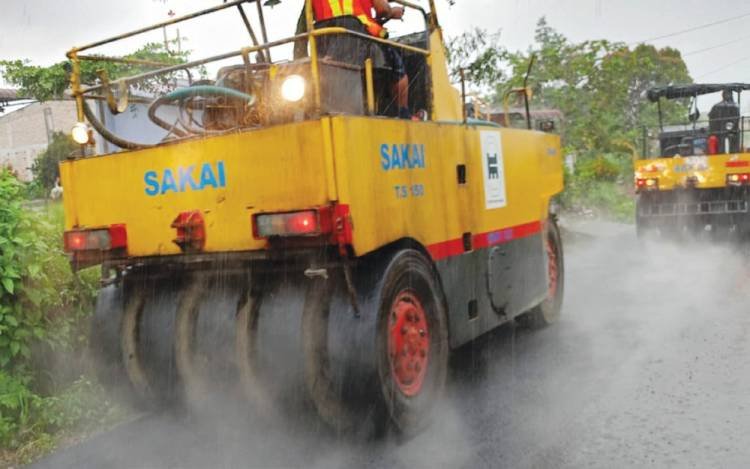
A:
{"points": [[649, 366]]}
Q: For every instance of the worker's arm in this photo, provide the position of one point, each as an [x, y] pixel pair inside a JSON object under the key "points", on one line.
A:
{"points": [[386, 11]]}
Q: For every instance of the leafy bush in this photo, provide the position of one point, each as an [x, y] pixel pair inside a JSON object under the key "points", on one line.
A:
{"points": [[43, 306], [40, 298], [45, 167], [16, 403], [34, 424], [598, 168], [20, 272]]}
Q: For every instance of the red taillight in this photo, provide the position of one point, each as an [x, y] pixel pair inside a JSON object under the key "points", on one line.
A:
{"points": [[648, 184], [103, 239], [738, 179], [331, 224], [305, 223], [191, 231]]}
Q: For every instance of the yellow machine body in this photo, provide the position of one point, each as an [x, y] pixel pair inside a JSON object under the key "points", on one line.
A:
{"points": [[699, 172], [399, 179]]}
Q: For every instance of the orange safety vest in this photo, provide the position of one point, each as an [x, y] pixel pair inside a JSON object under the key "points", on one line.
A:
{"points": [[326, 9]]}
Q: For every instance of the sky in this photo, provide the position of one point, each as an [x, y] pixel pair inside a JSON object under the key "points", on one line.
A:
{"points": [[42, 30]]}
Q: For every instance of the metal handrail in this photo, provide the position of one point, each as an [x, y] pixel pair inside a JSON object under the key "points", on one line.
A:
{"points": [[159, 25], [249, 50], [79, 90]]}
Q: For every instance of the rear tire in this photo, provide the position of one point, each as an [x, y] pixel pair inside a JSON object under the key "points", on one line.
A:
{"points": [[105, 348], [412, 361], [246, 355], [131, 356], [402, 398], [548, 312]]}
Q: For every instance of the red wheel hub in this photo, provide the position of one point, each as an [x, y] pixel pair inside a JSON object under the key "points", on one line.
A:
{"points": [[552, 269], [408, 343]]}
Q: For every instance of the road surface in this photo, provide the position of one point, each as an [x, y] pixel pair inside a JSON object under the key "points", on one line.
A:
{"points": [[649, 366]]}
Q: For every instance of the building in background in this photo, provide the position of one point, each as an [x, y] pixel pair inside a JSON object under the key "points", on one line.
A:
{"points": [[26, 132]]}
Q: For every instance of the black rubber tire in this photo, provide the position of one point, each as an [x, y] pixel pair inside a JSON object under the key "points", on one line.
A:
{"points": [[548, 312], [192, 375], [410, 270], [388, 407], [105, 350], [129, 346], [318, 380], [251, 381]]}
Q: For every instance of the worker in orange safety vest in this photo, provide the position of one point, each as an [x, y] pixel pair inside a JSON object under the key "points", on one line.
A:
{"points": [[363, 11]]}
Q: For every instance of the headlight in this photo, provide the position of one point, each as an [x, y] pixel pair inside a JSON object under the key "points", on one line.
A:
{"points": [[729, 126], [80, 133], [293, 88]]}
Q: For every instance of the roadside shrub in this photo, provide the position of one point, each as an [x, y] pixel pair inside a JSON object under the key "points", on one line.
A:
{"points": [[45, 168], [43, 307], [16, 407], [21, 275], [598, 168]]}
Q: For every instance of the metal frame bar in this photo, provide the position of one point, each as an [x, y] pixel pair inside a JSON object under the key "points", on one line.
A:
{"points": [[248, 50], [136, 32], [106, 58], [78, 90]]}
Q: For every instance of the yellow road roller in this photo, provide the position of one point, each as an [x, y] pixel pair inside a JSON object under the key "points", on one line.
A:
{"points": [[277, 229], [694, 181]]}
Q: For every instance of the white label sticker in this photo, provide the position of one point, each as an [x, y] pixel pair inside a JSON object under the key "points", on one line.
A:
{"points": [[494, 170]]}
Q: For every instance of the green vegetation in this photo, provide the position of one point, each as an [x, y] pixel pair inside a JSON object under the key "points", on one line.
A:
{"points": [[599, 86], [46, 168], [44, 309], [45, 83], [46, 397]]}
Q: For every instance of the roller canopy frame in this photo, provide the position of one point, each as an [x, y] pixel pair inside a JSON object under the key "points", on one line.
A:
{"points": [[692, 90]]}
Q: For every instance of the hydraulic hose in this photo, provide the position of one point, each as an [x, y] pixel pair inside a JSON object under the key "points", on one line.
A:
{"points": [[192, 91], [109, 136], [174, 95]]}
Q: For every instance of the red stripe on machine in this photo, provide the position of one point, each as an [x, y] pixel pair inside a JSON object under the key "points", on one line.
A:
{"points": [[737, 164], [455, 247], [485, 240], [445, 249]]}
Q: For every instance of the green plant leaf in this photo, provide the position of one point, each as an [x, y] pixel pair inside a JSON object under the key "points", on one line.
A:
{"points": [[8, 284]]}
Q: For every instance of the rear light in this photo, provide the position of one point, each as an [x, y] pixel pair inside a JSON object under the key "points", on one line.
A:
{"points": [[737, 164], [191, 231], [647, 183], [104, 239], [323, 225], [91, 247], [738, 179], [304, 223]]}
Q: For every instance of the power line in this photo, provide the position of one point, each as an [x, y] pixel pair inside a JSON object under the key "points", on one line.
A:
{"points": [[715, 47], [724, 67], [694, 28]]}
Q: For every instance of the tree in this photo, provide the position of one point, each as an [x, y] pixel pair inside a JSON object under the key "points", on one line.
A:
{"points": [[599, 86], [46, 83], [480, 55], [45, 167]]}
